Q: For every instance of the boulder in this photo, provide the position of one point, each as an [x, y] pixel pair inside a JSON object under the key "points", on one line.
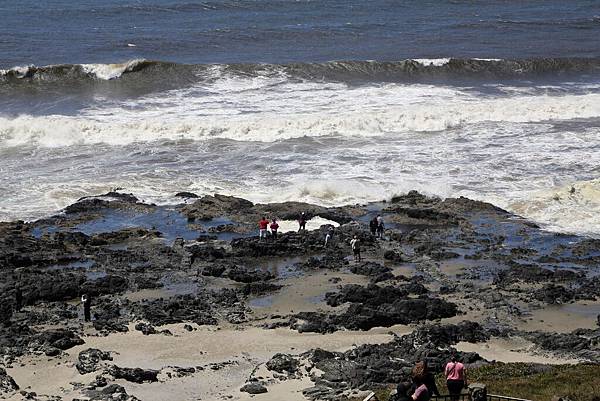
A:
{"points": [[134, 375], [89, 359], [283, 363], [254, 388], [7, 383]]}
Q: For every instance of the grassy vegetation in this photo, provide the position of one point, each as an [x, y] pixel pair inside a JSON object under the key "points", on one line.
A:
{"points": [[540, 382], [530, 381]]}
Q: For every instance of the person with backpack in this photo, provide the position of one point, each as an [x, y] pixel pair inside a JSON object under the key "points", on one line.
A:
{"points": [[456, 378]]}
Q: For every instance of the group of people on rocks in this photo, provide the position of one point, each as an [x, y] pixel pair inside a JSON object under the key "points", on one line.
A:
{"points": [[423, 386], [376, 226], [263, 224]]}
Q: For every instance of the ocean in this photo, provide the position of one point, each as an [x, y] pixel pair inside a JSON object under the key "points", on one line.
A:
{"points": [[332, 102]]}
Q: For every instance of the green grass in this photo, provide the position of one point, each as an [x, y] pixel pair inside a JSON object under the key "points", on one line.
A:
{"points": [[540, 382], [530, 381]]}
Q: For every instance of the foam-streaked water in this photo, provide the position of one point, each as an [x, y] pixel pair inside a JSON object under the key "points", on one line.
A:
{"points": [[521, 133]]}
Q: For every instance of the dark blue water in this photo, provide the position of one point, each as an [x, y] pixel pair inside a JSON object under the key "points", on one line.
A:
{"points": [[280, 31]]}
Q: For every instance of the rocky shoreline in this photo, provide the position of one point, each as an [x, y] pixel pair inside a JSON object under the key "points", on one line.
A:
{"points": [[446, 274]]}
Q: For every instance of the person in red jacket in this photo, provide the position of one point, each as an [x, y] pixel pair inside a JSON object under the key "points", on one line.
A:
{"points": [[262, 228], [274, 227]]}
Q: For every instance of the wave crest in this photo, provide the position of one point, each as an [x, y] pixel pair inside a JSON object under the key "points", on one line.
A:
{"points": [[405, 70]]}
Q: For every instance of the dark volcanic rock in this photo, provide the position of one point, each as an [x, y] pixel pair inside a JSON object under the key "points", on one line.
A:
{"points": [[283, 363], [110, 326], [51, 286], [185, 194], [89, 359], [393, 256], [214, 270], [259, 288], [6, 311], [7, 384], [450, 334], [145, 328], [376, 365], [116, 237], [59, 338], [110, 284], [554, 294], [375, 306], [376, 271], [243, 275], [113, 392], [135, 375], [209, 207], [561, 342], [366, 316], [182, 308], [253, 388]]}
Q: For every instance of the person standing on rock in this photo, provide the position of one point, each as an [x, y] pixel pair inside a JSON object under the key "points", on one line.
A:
{"points": [[380, 226], [18, 298], [262, 228], [302, 222], [328, 236], [456, 378], [373, 224], [355, 244], [87, 305], [274, 227]]}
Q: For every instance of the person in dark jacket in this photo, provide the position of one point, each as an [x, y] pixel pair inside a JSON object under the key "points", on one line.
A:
{"points": [[302, 222], [373, 224], [87, 306], [18, 298]]}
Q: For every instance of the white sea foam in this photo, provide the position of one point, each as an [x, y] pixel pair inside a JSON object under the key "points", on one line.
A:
{"points": [[242, 123], [436, 62], [573, 208], [268, 138], [110, 71]]}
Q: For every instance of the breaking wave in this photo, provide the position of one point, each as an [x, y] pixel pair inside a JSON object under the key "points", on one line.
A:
{"points": [[406, 70], [573, 208], [119, 129], [74, 71]]}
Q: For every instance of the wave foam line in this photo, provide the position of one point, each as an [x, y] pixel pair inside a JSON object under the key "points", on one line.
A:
{"points": [[57, 131]]}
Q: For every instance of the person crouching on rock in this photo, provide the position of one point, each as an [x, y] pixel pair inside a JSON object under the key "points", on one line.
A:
{"points": [[355, 244], [274, 227], [456, 377], [87, 305], [262, 228]]}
